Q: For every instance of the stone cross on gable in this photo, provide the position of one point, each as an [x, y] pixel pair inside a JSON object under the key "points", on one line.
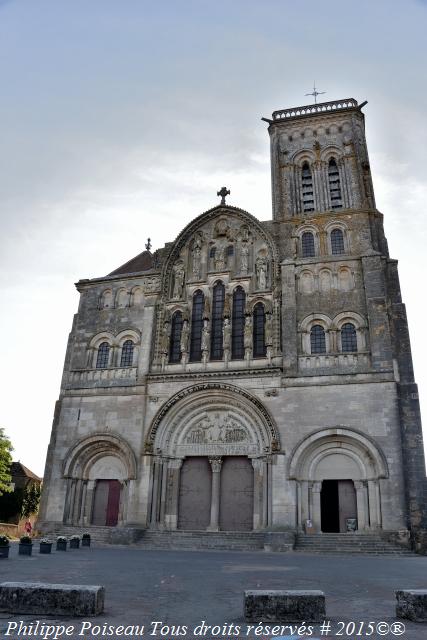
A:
{"points": [[223, 192], [148, 244]]}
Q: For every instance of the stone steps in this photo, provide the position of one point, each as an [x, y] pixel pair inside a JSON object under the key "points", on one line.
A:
{"points": [[221, 540], [102, 535], [348, 543]]}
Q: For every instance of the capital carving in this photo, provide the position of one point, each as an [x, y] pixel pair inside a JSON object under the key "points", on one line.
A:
{"points": [[216, 463]]}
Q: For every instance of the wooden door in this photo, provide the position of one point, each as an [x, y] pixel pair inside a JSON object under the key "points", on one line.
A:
{"points": [[194, 503], [237, 494], [347, 502], [106, 503]]}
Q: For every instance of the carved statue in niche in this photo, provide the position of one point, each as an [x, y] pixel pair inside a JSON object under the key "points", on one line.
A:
{"points": [[219, 258], [206, 337], [185, 332], [261, 266], [207, 308], [247, 336], [227, 306], [226, 335], [221, 228], [196, 254], [244, 233], [178, 279], [164, 338], [244, 259]]}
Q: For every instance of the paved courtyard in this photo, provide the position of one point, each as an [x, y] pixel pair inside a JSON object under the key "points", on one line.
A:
{"points": [[185, 587]]}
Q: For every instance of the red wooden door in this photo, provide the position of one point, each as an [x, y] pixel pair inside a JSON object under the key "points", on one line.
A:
{"points": [[113, 503]]}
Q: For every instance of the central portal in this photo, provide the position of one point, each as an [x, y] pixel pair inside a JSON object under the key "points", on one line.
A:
{"points": [[236, 494]]}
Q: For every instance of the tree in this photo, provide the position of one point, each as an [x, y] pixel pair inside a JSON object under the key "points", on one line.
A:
{"points": [[5, 463], [30, 502]]}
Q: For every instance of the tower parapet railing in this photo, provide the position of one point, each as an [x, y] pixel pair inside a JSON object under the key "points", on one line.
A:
{"points": [[310, 109]]}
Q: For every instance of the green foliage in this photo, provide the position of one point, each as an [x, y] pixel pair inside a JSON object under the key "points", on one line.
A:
{"points": [[25, 540], [5, 462], [4, 541], [11, 505], [31, 500]]}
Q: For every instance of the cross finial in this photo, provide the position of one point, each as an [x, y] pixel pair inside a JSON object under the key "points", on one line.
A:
{"points": [[148, 244], [315, 93], [223, 192]]}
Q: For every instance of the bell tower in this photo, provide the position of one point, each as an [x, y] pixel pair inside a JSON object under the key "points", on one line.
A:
{"points": [[319, 160]]}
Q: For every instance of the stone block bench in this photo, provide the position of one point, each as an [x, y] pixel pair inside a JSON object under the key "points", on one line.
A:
{"points": [[51, 599], [412, 604], [284, 606]]}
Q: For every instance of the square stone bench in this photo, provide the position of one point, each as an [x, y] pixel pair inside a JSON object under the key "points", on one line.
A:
{"points": [[51, 599], [284, 606], [412, 604]]}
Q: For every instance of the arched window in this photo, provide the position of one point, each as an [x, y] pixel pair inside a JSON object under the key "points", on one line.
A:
{"points": [[103, 353], [126, 359], [337, 241], [334, 184], [317, 339], [238, 324], [175, 339], [217, 321], [260, 349], [307, 188], [212, 252], [307, 242], [230, 250], [196, 327], [348, 338]]}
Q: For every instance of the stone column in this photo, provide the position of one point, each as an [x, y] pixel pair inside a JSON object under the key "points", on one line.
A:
{"points": [[215, 494], [362, 511], [70, 517], [163, 496], [299, 505], [90, 495], [374, 503], [173, 478], [155, 494], [259, 491], [83, 503], [316, 514]]}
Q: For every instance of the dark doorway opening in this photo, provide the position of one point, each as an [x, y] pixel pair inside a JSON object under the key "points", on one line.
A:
{"points": [[329, 505]]}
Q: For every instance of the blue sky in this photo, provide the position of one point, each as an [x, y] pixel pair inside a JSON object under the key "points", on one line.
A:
{"points": [[120, 120]]}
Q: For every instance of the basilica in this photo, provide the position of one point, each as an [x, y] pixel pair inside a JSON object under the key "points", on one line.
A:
{"points": [[249, 376]]}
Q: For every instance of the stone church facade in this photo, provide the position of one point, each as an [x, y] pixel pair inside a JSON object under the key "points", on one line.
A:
{"points": [[249, 375]]}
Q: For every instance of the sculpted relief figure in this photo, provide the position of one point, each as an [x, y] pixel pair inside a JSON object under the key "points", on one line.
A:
{"points": [[185, 332], [244, 259], [261, 272], [206, 337], [219, 259], [226, 335], [247, 337], [178, 279], [196, 253], [164, 338]]}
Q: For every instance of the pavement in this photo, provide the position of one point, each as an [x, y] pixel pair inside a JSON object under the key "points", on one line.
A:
{"points": [[178, 589]]}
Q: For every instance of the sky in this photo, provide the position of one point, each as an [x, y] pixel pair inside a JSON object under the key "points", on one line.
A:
{"points": [[121, 120]]}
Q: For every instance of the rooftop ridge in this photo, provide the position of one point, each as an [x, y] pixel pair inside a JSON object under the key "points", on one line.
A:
{"points": [[321, 107]]}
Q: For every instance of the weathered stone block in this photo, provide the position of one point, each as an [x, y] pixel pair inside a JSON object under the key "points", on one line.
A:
{"points": [[412, 604], [284, 606], [48, 599]]}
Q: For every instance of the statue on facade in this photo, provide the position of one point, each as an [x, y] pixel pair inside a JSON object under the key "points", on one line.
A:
{"points": [[178, 280], [206, 337], [244, 259], [261, 272], [247, 336], [185, 333], [196, 254], [226, 335], [219, 258], [268, 328]]}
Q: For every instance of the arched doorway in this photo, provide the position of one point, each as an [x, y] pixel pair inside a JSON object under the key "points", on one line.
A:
{"points": [[210, 472], [337, 472], [99, 471]]}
